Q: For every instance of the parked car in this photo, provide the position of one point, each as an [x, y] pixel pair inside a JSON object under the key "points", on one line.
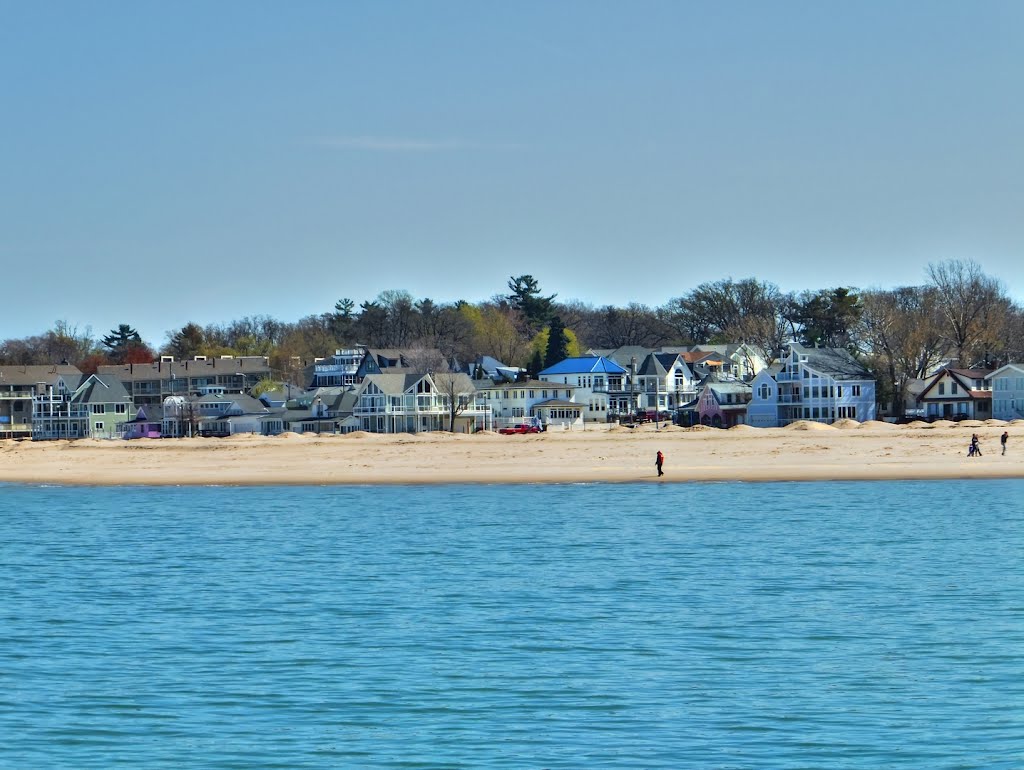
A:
{"points": [[520, 428]]}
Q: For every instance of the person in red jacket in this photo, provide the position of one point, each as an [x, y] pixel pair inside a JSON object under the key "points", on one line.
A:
{"points": [[658, 462]]}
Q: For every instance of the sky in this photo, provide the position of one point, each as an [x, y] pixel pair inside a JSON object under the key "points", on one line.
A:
{"points": [[162, 163]]}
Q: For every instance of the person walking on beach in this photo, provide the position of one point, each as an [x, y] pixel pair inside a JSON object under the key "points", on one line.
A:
{"points": [[1002, 440], [658, 462], [975, 450]]}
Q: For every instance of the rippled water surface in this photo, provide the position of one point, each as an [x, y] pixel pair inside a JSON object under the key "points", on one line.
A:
{"points": [[839, 625]]}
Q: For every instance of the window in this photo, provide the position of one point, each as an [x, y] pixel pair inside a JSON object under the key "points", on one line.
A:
{"points": [[99, 408], [856, 389], [839, 391], [120, 408], [98, 426], [952, 389], [942, 388]]}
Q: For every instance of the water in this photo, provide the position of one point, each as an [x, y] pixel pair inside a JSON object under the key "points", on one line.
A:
{"points": [[838, 625]]}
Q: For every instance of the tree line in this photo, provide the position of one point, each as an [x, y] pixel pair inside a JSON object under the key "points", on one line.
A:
{"points": [[959, 314]]}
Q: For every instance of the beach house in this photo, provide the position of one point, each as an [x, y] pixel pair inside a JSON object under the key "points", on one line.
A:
{"points": [[93, 406], [151, 383], [957, 394], [664, 382], [593, 379], [818, 384], [19, 385], [537, 402], [1008, 392], [408, 402], [721, 402]]}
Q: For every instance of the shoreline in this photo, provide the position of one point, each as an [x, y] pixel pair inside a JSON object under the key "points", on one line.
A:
{"points": [[802, 452]]}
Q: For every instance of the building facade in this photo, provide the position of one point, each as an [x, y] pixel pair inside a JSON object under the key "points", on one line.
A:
{"points": [[1008, 392]]}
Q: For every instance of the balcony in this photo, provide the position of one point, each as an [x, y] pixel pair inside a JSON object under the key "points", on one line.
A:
{"points": [[17, 394]]}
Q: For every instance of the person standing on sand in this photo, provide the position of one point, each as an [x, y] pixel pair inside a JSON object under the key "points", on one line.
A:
{"points": [[975, 446], [1002, 440], [658, 462]]}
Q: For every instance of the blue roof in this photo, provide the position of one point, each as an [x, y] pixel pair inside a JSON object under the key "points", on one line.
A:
{"points": [[584, 365]]}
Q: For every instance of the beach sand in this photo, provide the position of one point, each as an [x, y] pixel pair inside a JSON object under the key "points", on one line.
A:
{"points": [[798, 452]]}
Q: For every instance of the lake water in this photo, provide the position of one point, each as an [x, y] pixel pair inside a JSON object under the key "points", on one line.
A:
{"points": [[833, 625]]}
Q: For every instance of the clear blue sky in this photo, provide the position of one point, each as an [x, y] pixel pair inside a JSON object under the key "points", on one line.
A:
{"points": [[168, 162]]}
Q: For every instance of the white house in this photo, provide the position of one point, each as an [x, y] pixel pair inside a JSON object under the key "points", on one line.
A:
{"points": [[405, 402], [957, 394], [664, 382], [592, 377], [1008, 392], [544, 404]]}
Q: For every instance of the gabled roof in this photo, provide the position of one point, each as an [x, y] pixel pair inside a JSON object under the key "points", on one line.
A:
{"points": [[393, 383], [963, 377], [708, 357], [585, 365], [837, 363], [660, 364], [624, 354], [1004, 370], [100, 389], [397, 384], [247, 404]]}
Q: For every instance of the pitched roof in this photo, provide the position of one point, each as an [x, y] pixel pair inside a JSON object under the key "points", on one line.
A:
{"points": [[100, 389], [247, 404], [392, 383], [585, 365], [834, 362], [965, 378]]}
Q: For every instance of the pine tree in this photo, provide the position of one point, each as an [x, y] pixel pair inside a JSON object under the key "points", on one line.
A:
{"points": [[558, 343]]}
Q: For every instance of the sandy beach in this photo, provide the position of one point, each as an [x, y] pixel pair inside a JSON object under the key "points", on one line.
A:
{"points": [[799, 452]]}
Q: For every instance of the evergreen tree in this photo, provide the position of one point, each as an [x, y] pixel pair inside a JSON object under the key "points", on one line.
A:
{"points": [[558, 343], [126, 346], [536, 365], [526, 298]]}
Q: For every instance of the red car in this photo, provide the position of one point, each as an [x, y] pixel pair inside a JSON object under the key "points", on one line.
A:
{"points": [[520, 428]]}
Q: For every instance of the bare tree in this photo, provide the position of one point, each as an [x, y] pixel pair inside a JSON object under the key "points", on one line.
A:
{"points": [[457, 392], [900, 334], [967, 299]]}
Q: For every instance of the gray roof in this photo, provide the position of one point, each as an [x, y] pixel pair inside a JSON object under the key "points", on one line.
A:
{"points": [[835, 362], [394, 384], [529, 384], [557, 403], [625, 354], [100, 389], [658, 364], [729, 386], [160, 370], [247, 404], [30, 375]]}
